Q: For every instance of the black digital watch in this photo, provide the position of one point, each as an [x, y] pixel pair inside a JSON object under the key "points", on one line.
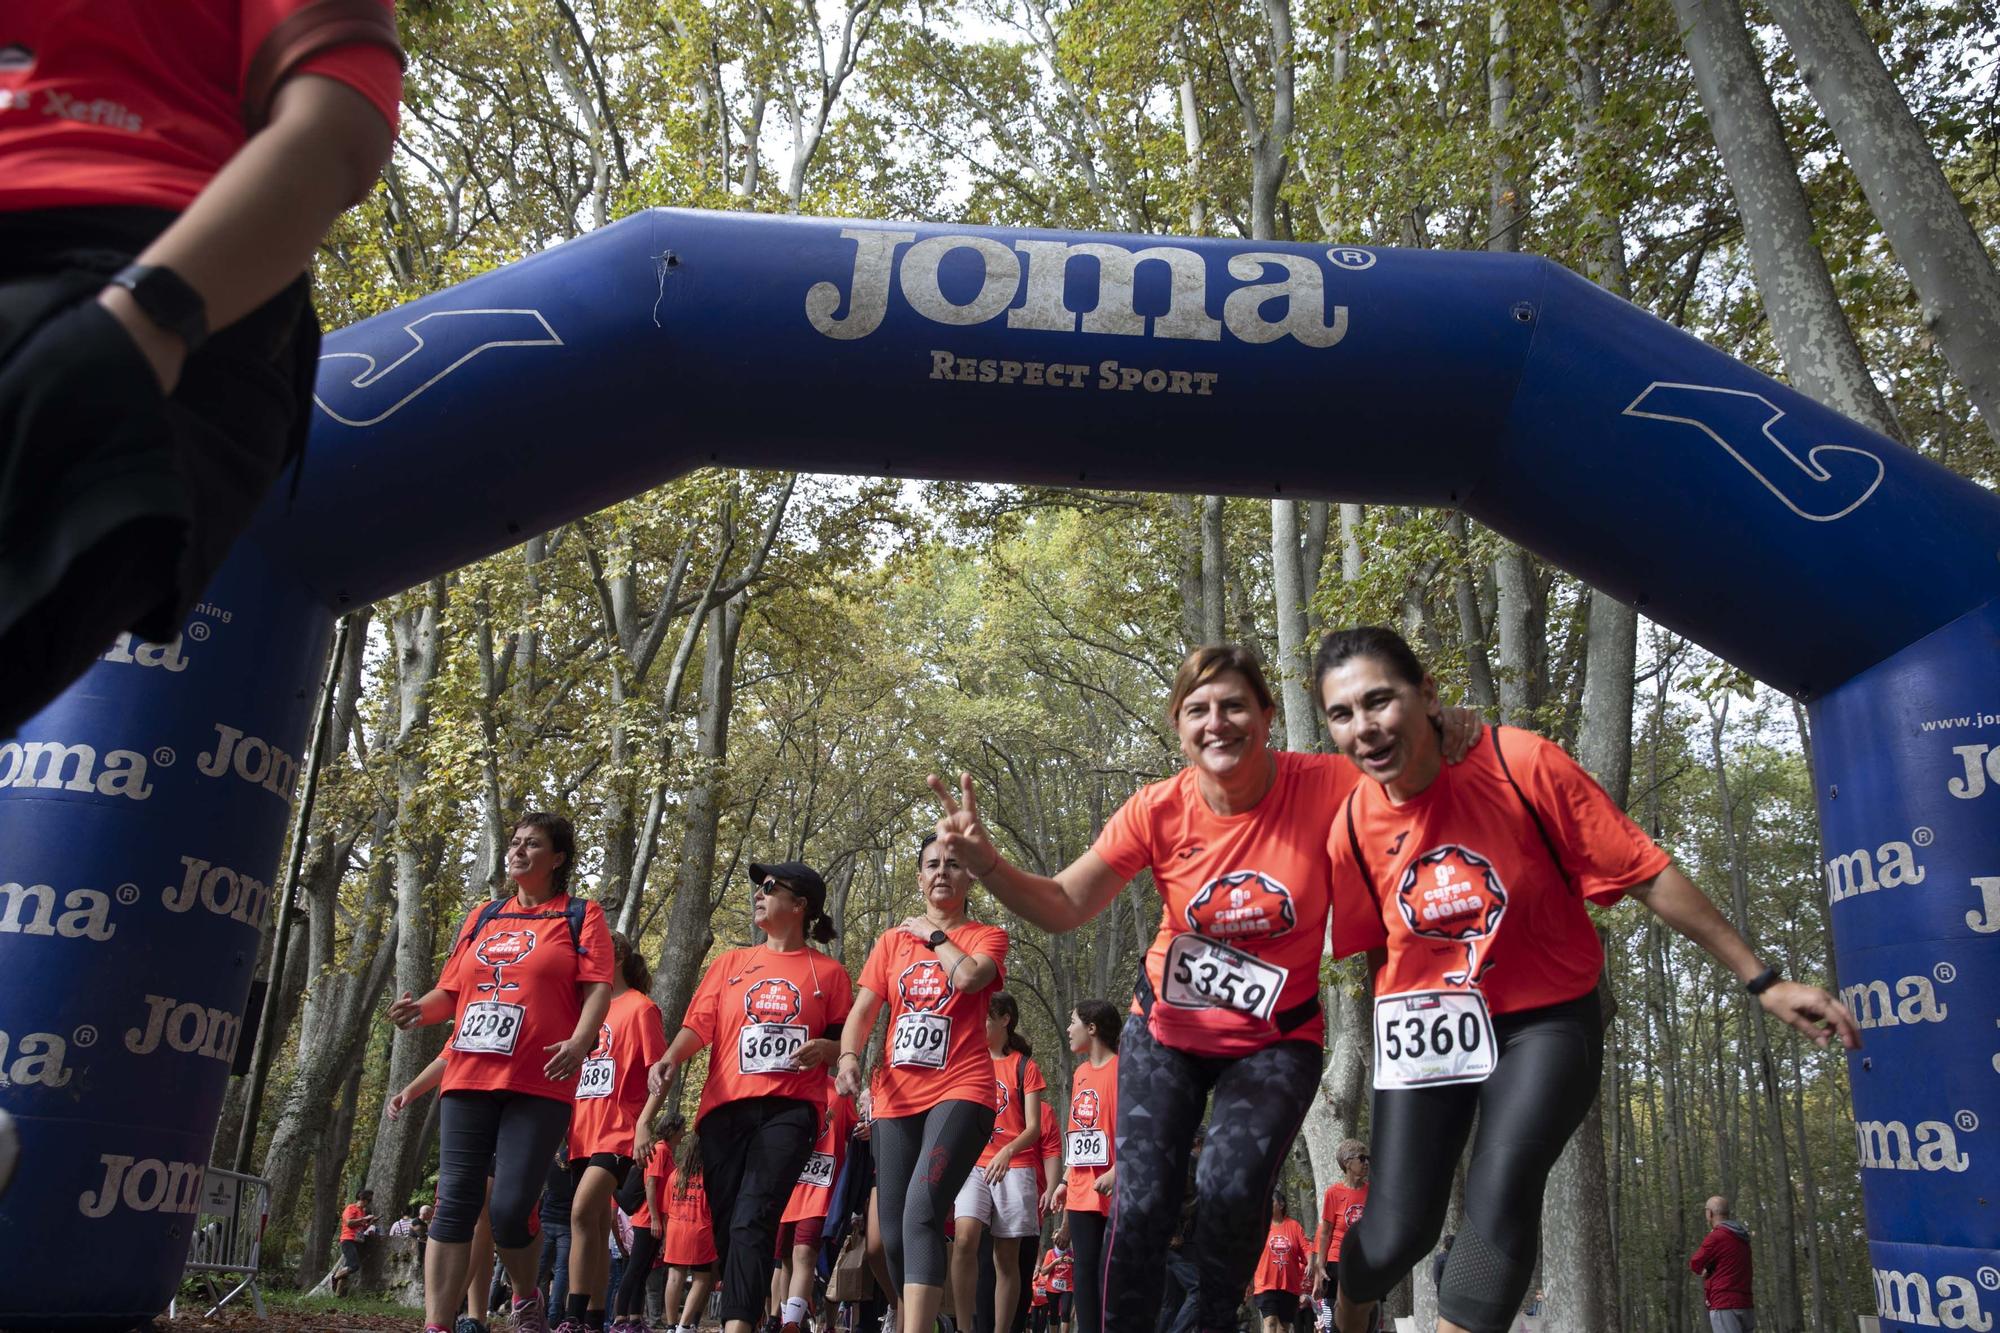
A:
{"points": [[168, 301]]}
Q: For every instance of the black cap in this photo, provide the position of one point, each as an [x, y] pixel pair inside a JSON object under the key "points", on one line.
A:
{"points": [[802, 877]]}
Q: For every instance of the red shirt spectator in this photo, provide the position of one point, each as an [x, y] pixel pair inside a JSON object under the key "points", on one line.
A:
{"points": [[1723, 1260]]}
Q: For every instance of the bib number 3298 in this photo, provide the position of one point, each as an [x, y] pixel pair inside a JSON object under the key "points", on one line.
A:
{"points": [[1202, 973], [922, 1040], [489, 1027], [1428, 1038], [770, 1048]]}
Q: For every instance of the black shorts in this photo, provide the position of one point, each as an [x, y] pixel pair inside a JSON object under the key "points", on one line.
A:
{"points": [[618, 1166], [350, 1255], [1282, 1306]]}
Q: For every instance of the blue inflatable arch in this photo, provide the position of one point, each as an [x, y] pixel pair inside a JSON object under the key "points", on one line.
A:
{"points": [[141, 815]]}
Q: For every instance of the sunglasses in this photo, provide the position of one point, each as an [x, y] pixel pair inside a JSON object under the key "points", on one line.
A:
{"points": [[772, 884]]}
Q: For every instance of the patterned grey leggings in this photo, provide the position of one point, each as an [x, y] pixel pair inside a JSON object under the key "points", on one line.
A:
{"points": [[920, 1162], [1260, 1102]]}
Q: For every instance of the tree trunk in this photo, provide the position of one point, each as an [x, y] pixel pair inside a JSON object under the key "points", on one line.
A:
{"points": [[1958, 292], [329, 1192], [1521, 626], [1350, 543], [1214, 563], [1194, 620], [1810, 329], [688, 935], [1288, 586]]}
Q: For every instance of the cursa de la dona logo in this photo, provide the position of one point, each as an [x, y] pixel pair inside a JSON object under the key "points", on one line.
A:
{"points": [[1084, 1108], [502, 950], [924, 986], [1243, 904], [773, 1000], [1453, 894]]}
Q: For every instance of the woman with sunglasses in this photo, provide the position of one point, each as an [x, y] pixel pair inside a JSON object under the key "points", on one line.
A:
{"points": [[772, 1014], [1346, 1199]]}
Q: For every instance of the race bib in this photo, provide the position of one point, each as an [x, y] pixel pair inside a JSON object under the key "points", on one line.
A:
{"points": [[595, 1079], [818, 1171], [1202, 973], [1428, 1038], [489, 1027], [1088, 1147], [922, 1040], [770, 1048]]}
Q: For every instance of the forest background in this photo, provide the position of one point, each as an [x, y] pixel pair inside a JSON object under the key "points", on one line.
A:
{"points": [[747, 665]]}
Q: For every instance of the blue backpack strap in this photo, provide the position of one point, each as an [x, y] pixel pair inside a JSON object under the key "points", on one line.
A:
{"points": [[480, 920], [574, 915]]}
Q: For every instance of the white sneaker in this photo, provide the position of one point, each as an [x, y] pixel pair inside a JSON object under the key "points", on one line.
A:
{"points": [[889, 1320]]}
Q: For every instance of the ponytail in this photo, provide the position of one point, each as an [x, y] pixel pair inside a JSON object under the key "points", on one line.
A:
{"points": [[687, 1165], [1005, 1005], [631, 965]]}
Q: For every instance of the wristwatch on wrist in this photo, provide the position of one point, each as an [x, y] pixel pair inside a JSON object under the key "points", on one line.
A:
{"points": [[937, 937], [1762, 982], [168, 301]]}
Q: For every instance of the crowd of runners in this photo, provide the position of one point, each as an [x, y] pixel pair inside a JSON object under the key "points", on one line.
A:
{"points": [[1458, 857]]}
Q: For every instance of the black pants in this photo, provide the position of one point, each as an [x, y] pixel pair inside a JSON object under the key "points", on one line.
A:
{"points": [[117, 504], [1542, 1086], [1086, 1243], [630, 1298], [1260, 1101], [511, 1133], [752, 1152]]}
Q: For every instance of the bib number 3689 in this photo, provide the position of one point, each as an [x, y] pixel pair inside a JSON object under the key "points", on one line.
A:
{"points": [[1202, 973], [596, 1079], [1428, 1038], [489, 1027], [921, 1039]]}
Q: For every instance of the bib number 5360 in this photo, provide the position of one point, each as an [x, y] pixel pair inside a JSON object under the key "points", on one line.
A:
{"points": [[1427, 1038]]}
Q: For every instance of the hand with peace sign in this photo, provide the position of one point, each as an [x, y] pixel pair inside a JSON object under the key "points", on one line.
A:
{"points": [[960, 834]]}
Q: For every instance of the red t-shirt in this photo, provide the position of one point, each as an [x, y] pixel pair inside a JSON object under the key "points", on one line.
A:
{"points": [[611, 1087], [352, 1218], [1339, 1210], [1093, 1106], [755, 1007], [814, 1193], [937, 1032], [142, 101], [1282, 1264], [1459, 885], [515, 992], [1013, 1073], [1058, 1269], [1256, 882], [690, 1238], [660, 1167], [1723, 1260]]}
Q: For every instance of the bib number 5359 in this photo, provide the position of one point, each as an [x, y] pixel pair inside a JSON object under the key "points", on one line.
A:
{"points": [[1428, 1038]]}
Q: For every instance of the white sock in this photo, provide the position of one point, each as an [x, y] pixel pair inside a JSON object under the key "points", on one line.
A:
{"points": [[794, 1312]]}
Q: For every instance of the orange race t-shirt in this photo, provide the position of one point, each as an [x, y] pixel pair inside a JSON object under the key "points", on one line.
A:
{"points": [[660, 1167], [1255, 883], [755, 1007], [1339, 1210], [814, 1193], [140, 102], [351, 1218], [1092, 1145], [690, 1237], [1058, 1269], [515, 992], [937, 1032], [1282, 1265], [1458, 885], [1051, 1131], [1013, 1075], [611, 1086]]}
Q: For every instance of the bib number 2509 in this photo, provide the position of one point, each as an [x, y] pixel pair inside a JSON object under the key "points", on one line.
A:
{"points": [[922, 1040], [1428, 1038]]}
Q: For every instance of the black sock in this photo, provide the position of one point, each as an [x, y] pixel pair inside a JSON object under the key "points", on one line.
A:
{"points": [[593, 1319], [578, 1304]]}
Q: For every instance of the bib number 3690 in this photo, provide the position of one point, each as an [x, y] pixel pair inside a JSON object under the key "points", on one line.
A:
{"points": [[922, 1040], [489, 1027], [1202, 973], [1428, 1038], [770, 1048]]}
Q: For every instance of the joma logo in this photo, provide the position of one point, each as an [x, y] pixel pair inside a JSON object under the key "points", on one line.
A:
{"points": [[1860, 872], [1906, 1298], [51, 764], [1885, 1146], [1914, 1001], [1301, 286]]}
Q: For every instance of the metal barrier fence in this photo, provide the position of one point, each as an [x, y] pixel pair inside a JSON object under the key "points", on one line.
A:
{"points": [[228, 1237]]}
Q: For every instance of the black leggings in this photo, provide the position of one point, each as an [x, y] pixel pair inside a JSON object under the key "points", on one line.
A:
{"points": [[1541, 1088], [512, 1135], [751, 1153], [1260, 1102], [1086, 1244], [631, 1302], [913, 1209]]}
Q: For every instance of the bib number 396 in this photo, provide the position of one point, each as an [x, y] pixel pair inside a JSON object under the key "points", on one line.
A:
{"points": [[1088, 1147], [1202, 973], [489, 1027], [770, 1048], [1428, 1038], [922, 1040]]}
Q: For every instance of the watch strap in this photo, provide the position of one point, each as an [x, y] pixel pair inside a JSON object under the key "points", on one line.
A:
{"points": [[168, 301], [1762, 982], [937, 937]]}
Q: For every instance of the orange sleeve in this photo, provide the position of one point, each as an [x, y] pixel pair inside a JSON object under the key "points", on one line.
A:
{"points": [[452, 978], [351, 41], [875, 972], [598, 959], [1124, 844], [840, 996], [1031, 1077], [702, 1009], [1604, 853], [652, 1034], [992, 941], [1355, 913]]}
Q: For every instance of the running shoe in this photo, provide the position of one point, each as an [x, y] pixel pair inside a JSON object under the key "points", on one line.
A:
{"points": [[467, 1324], [568, 1325], [889, 1320], [529, 1316]]}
